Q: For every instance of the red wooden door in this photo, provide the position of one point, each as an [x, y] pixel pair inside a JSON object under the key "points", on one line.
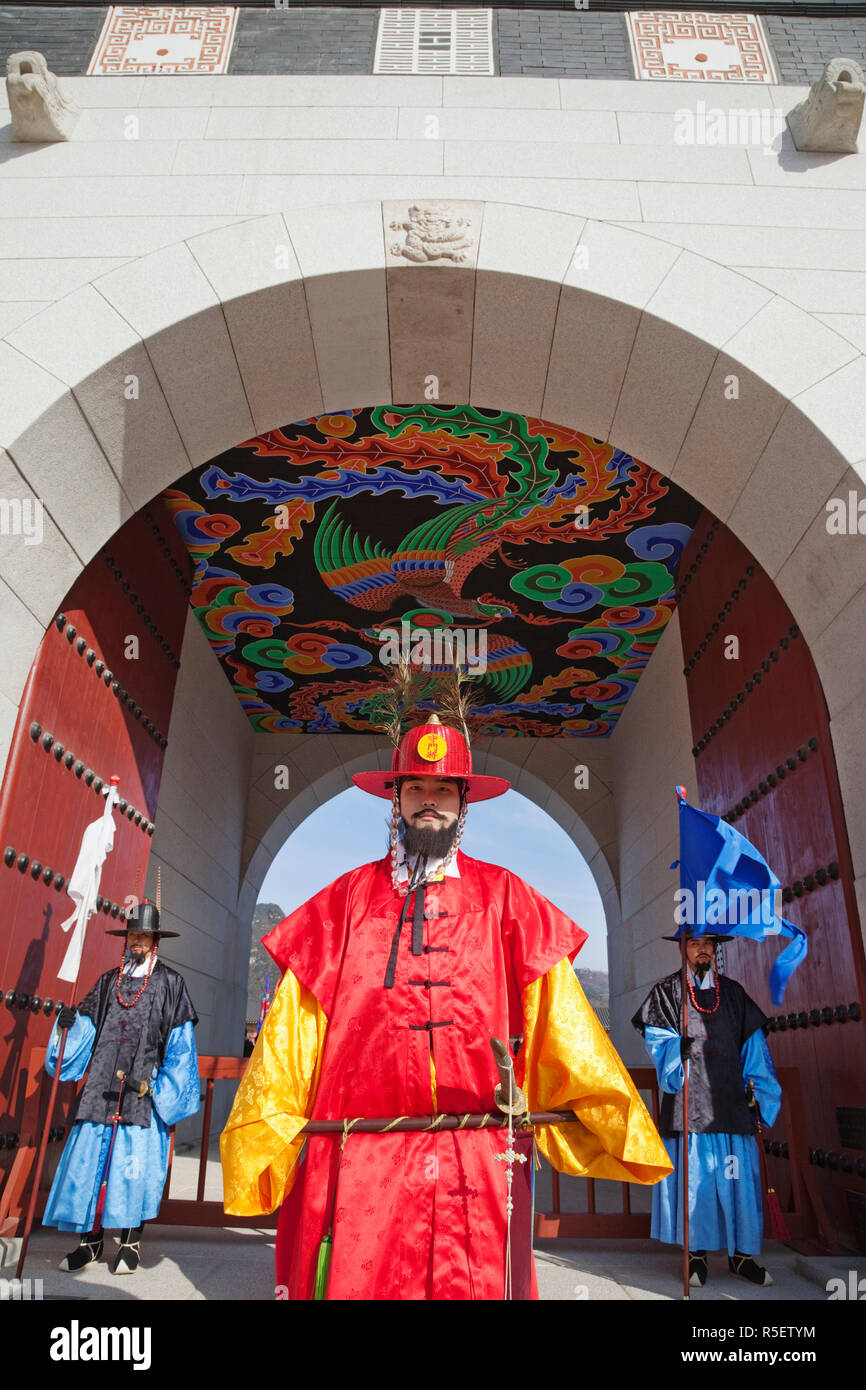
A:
{"points": [[97, 703], [765, 762]]}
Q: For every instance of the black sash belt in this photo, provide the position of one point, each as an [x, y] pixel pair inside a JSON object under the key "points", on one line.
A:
{"points": [[418, 921], [417, 933]]}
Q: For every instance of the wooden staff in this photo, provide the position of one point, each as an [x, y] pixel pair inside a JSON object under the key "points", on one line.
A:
{"points": [[103, 1186], [431, 1123], [685, 1025], [40, 1157]]}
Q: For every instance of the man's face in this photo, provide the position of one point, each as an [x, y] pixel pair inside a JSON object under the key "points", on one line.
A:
{"points": [[430, 802], [430, 807], [699, 953], [140, 944]]}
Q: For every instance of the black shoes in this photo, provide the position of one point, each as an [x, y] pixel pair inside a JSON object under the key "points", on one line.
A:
{"points": [[741, 1266], [129, 1255], [698, 1268], [88, 1252], [744, 1267]]}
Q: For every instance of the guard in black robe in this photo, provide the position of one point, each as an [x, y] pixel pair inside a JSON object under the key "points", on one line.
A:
{"points": [[129, 1039], [133, 1036], [724, 1049]]}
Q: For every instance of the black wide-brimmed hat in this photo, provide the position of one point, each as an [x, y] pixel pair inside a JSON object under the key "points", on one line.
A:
{"points": [[145, 919], [695, 934]]}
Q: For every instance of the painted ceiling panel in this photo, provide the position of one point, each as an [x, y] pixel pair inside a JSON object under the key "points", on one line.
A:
{"points": [[323, 548]]}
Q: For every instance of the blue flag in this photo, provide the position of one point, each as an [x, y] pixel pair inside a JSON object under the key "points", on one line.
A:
{"points": [[728, 889]]}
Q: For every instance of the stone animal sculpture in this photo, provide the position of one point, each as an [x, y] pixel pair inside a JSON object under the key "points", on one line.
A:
{"points": [[829, 118], [40, 112]]}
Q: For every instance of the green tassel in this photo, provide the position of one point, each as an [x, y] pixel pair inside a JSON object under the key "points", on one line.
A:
{"points": [[323, 1266]]}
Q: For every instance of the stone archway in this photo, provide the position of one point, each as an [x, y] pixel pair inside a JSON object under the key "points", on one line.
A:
{"points": [[174, 357]]}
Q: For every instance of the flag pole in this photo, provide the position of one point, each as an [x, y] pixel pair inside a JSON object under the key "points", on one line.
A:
{"points": [[52, 1096], [681, 799], [685, 1134]]}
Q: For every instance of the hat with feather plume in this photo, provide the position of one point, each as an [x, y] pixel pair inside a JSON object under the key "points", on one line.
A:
{"points": [[438, 746]]}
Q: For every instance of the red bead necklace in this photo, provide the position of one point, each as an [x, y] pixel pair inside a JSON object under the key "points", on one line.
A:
{"points": [[132, 1002], [694, 1000]]}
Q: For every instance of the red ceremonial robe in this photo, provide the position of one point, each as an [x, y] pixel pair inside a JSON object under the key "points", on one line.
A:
{"points": [[417, 1216]]}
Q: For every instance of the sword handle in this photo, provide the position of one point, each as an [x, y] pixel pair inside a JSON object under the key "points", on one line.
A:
{"points": [[508, 1096]]}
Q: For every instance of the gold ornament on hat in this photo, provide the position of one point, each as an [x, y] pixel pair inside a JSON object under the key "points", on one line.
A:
{"points": [[431, 747]]}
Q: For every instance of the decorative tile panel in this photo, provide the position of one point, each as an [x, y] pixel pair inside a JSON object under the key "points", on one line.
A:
{"points": [[696, 46], [139, 39], [435, 41]]}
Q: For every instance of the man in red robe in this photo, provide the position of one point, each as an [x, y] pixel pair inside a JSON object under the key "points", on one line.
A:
{"points": [[396, 977]]}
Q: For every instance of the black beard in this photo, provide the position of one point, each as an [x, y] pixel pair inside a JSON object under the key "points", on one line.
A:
{"points": [[430, 841], [702, 967]]}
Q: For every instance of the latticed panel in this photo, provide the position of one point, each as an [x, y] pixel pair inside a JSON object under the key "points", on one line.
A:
{"points": [[435, 42]]}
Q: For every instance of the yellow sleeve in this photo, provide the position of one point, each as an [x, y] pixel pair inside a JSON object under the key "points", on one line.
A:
{"points": [[571, 1064], [260, 1145]]}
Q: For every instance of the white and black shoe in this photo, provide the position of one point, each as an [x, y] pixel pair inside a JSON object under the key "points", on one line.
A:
{"points": [[698, 1268], [744, 1267], [129, 1254], [88, 1252]]}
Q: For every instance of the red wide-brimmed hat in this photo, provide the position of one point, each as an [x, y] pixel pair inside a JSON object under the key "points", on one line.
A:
{"points": [[433, 749]]}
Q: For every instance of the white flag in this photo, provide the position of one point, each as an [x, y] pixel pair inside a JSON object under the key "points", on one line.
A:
{"points": [[83, 887]]}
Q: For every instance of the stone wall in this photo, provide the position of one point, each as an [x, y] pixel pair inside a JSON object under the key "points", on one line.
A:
{"points": [[65, 35], [197, 843], [652, 754], [206, 152], [305, 41], [550, 43], [804, 43]]}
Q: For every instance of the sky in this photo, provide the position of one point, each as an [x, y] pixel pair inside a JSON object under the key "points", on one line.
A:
{"points": [[352, 829]]}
